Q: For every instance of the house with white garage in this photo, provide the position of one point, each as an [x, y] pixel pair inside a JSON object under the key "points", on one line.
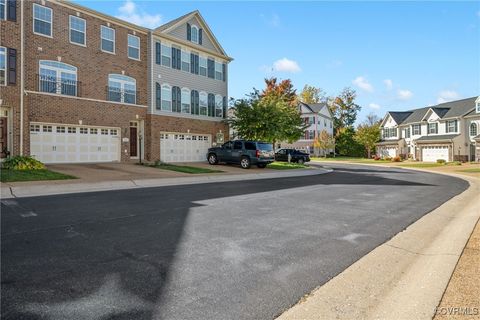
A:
{"points": [[318, 117], [448, 131]]}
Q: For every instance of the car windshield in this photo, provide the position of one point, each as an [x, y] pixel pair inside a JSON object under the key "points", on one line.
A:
{"points": [[265, 146]]}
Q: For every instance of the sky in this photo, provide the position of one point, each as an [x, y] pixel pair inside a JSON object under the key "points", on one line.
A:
{"points": [[396, 55]]}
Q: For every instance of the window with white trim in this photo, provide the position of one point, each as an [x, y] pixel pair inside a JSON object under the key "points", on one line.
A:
{"points": [[57, 77], [416, 129], [107, 36], [194, 33], [3, 9], [218, 106], [218, 71], [203, 66], [77, 30], [133, 47], [186, 61], [186, 100], [166, 97], [203, 102], [473, 129], [451, 126], [42, 20], [122, 88], [3, 66], [432, 128], [166, 55]]}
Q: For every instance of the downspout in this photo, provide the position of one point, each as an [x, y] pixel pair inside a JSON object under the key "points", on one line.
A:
{"points": [[22, 84]]}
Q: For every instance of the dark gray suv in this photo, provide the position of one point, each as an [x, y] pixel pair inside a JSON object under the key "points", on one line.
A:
{"points": [[243, 152]]}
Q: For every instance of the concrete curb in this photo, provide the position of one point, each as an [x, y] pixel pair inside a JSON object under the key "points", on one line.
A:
{"points": [[65, 188], [405, 277]]}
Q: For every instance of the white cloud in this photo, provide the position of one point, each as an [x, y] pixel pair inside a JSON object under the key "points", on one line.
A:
{"points": [[374, 106], [272, 20], [284, 65], [388, 84], [404, 94], [129, 12], [363, 84], [478, 13], [447, 95]]}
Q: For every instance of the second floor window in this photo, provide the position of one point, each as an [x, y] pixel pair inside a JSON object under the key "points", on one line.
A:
{"points": [[473, 130], [416, 129], [186, 100], [133, 47], [218, 106], [57, 77], [211, 68], [3, 66], [432, 128], [185, 61], [77, 30], [389, 132], [3, 10], [451, 126], [42, 20], [203, 66], [166, 97], [203, 103], [218, 71], [108, 39], [407, 133], [166, 55], [194, 63], [122, 89]]}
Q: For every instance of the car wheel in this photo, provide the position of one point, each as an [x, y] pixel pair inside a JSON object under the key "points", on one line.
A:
{"points": [[300, 161], [261, 165], [212, 159], [245, 163]]}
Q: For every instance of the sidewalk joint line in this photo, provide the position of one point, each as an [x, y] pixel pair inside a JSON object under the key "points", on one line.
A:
{"points": [[422, 254]]}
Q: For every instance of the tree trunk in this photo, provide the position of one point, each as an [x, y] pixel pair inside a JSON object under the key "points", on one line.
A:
{"points": [[369, 153]]}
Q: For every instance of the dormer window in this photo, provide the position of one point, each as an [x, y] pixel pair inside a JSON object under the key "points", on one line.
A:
{"points": [[477, 104], [194, 33]]}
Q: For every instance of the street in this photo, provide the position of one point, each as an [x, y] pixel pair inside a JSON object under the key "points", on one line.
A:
{"points": [[231, 250]]}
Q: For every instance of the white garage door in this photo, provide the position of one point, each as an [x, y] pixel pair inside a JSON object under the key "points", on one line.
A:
{"points": [[388, 152], [54, 143], [184, 147], [432, 154]]}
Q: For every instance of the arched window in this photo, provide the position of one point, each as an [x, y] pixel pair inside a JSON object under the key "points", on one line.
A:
{"points": [[176, 99], [203, 103], [186, 100], [57, 77], [218, 106], [166, 97], [194, 33], [473, 129], [122, 88]]}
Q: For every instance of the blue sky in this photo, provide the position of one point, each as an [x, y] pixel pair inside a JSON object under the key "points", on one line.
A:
{"points": [[397, 55]]}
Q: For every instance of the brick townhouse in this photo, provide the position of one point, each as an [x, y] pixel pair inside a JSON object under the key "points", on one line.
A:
{"points": [[76, 86]]}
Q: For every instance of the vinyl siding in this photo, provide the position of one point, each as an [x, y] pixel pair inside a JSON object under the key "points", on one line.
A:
{"points": [[181, 33]]}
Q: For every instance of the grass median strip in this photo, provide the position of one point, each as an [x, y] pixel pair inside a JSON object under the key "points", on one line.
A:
{"points": [[285, 166], [32, 175], [184, 169], [472, 170]]}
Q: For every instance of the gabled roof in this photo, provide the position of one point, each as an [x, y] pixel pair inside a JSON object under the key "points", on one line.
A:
{"points": [[316, 107], [443, 137], [163, 29], [444, 111]]}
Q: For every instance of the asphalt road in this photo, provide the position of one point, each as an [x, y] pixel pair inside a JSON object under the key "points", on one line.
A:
{"points": [[234, 250]]}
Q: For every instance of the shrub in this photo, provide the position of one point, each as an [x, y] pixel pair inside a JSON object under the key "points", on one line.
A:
{"points": [[376, 157], [396, 159], [388, 158], [441, 161], [22, 163], [455, 163]]}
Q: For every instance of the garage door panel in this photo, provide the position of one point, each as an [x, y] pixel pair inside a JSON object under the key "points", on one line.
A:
{"points": [[183, 147], [70, 144], [434, 153]]}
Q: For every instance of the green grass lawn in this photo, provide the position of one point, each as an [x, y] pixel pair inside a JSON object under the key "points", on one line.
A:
{"points": [[32, 175], [350, 159], [184, 169], [285, 166], [471, 170], [422, 165]]}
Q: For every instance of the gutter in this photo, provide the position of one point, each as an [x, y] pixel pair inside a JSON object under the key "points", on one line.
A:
{"points": [[22, 80]]}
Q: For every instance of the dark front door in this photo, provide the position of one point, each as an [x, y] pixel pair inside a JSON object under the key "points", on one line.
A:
{"points": [[133, 142], [472, 152], [3, 137]]}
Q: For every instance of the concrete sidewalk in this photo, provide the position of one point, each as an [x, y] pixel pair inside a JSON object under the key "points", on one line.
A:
{"points": [[405, 277], [73, 186]]}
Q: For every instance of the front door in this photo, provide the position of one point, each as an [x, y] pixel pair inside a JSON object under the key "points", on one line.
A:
{"points": [[3, 137], [133, 142], [472, 152]]}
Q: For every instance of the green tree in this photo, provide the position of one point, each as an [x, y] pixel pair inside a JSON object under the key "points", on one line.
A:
{"points": [[368, 133], [282, 90], [346, 145], [344, 109], [310, 94], [324, 141], [268, 118]]}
